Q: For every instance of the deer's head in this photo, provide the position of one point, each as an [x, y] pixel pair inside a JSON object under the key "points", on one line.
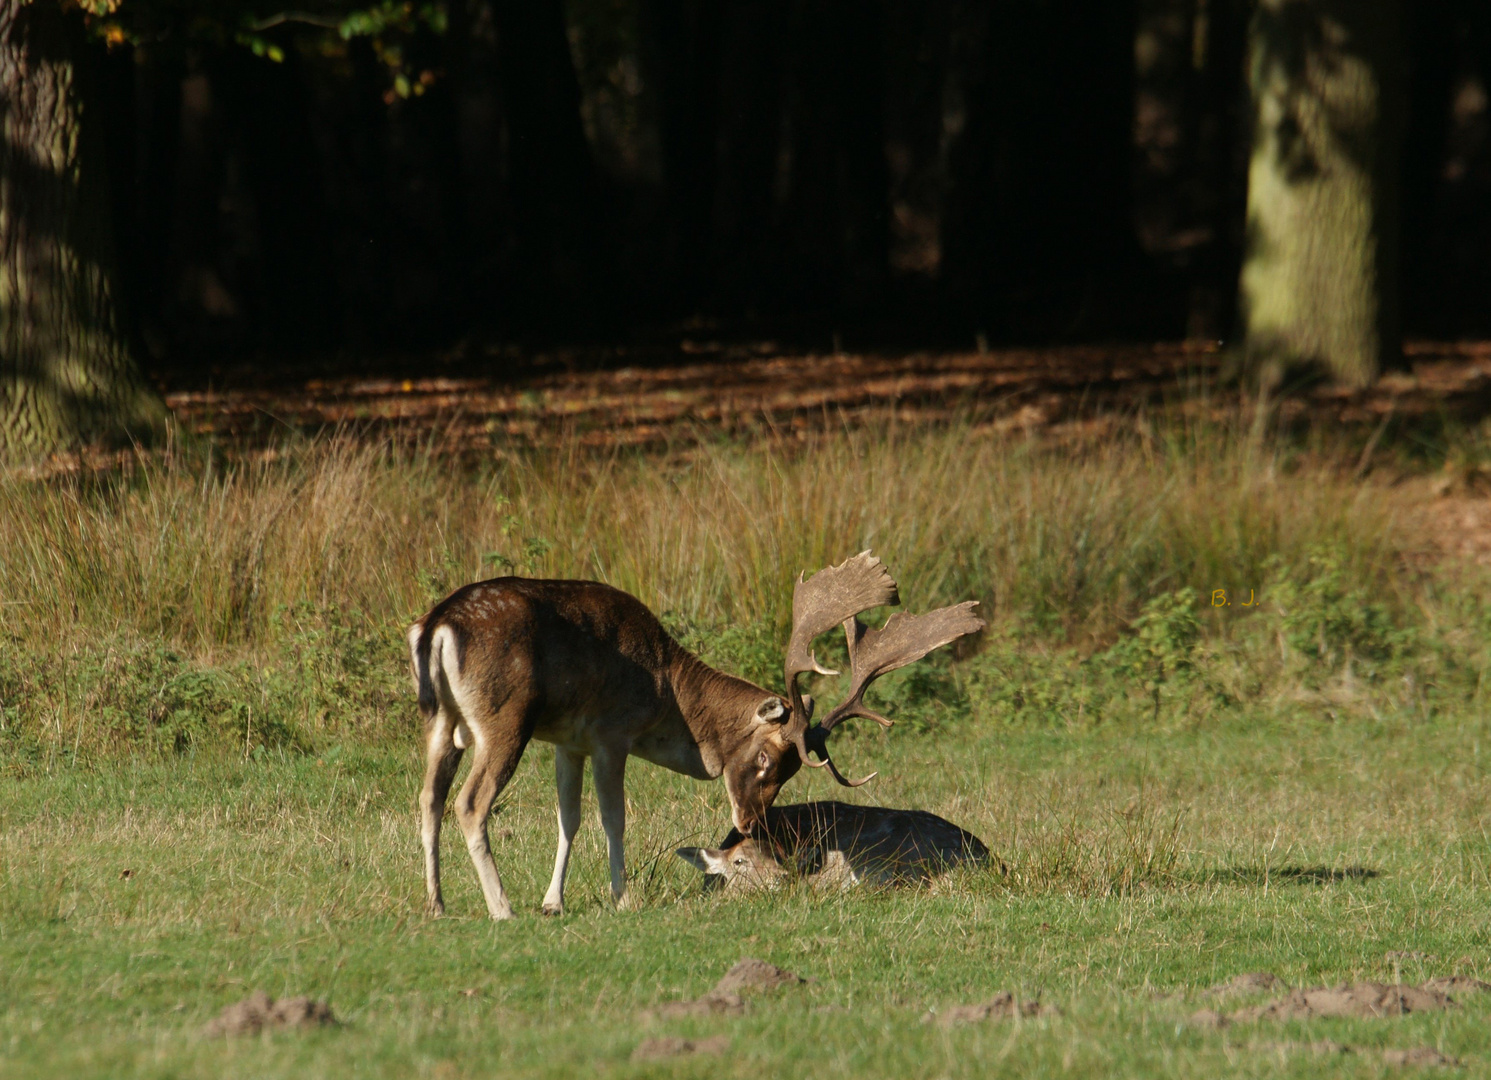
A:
{"points": [[783, 733], [745, 866], [750, 865]]}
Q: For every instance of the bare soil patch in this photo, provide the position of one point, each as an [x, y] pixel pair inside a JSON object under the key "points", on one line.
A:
{"points": [[1253, 982], [618, 396], [1418, 1055], [749, 975], [1457, 984], [1363, 1000], [669, 1046], [1414, 1055], [259, 1012], [1002, 1006]]}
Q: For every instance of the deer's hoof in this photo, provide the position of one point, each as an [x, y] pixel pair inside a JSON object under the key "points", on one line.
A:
{"points": [[624, 902], [553, 909]]}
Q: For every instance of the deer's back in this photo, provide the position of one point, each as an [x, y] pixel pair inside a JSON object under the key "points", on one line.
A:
{"points": [[578, 648]]}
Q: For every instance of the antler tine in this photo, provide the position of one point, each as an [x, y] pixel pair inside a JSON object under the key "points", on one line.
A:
{"points": [[904, 639], [817, 741], [820, 603]]}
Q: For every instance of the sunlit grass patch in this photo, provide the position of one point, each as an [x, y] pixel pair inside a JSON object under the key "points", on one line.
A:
{"points": [[208, 762]]}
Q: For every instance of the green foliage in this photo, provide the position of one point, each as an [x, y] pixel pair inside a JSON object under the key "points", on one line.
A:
{"points": [[138, 898], [331, 678], [284, 588], [1163, 645], [259, 27], [1161, 659], [1329, 617], [223, 711], [752, 650]]}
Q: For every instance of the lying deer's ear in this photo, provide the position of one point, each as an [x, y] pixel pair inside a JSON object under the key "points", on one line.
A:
{"points": [[772, 711], [711, 862], [807, 707]]}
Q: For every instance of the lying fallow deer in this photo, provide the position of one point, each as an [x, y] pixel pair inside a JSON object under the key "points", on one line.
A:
{"points": [[588, 668], [831, 844]]}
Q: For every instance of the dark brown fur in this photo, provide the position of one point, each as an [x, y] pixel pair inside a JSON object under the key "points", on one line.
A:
{"points": [[872, 843], [588, 668]]}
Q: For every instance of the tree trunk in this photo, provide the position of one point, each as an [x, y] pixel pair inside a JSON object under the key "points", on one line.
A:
{"points": [[1319, 280], [685, 36], [67, 375], [750, 137], [1039, 217], [555, 187]]}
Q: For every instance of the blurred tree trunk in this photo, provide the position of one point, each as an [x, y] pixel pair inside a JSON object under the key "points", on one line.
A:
{"points": [[437, 115], [1319, 284], [1039, 216], [67, 375], [750, 137], [684, 36], [838, 189], [296, 302], [1218, 132], [159, 71], [555, 187]]}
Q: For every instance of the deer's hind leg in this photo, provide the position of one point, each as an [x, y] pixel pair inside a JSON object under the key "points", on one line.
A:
{"points": [[608, 770], [569, 768], [497, 748], [442, 756]]}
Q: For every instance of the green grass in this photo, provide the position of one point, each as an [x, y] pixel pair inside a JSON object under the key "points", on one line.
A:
{"points": [[202, 682], [1310, 855]]}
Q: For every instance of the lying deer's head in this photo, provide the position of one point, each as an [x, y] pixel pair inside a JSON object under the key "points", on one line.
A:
{"points": [[784, 732], [749, 866], [745, 866]]}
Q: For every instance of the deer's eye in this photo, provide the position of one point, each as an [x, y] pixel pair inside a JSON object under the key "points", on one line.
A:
{"points": [[739, 862]]}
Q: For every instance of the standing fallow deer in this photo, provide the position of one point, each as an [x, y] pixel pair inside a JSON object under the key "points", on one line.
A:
{"points": [[588, 668], [835, 845]]}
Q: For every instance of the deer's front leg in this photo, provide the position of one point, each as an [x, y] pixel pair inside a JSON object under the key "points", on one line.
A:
{"points": [[569, 767], [609, 770]]}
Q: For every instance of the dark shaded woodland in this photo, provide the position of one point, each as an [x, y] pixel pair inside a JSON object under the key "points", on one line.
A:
{"points": [[899, 172]]}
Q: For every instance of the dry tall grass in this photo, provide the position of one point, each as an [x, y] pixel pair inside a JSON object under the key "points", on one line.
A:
{"points": [[206, 555], [264, 603]]}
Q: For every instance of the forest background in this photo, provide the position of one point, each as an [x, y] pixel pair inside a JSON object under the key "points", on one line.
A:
{"points": [[943, 278], [242, 182]]}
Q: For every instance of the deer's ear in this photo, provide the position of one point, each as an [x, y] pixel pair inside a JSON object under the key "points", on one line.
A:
{"points": [[807, 707], [711, 862], [772, 711]]}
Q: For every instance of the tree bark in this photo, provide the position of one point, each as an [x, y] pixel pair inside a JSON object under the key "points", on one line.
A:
{"points": [[1319, 285], [1039, 214], [555, 186], [67, 375], [685, 36]]}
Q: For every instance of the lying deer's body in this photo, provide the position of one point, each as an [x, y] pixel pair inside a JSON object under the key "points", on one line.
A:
{"points": [[589, 669], [833, 844]]}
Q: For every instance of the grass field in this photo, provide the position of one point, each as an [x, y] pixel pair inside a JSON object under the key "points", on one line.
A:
{"points": [[207, 744]]}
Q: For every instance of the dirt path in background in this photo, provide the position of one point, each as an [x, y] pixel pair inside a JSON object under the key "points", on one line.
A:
{"points": [[706, 389], [673, 398]]}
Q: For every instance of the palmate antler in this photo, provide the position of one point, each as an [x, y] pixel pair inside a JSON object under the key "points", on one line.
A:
{"points": [[838, 595]]}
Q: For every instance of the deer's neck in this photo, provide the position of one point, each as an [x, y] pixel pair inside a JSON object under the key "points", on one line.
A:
{"points": [[717, 708]]}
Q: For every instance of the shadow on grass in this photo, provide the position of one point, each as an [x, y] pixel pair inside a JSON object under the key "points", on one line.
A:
{"points": [[1289, 875]]}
